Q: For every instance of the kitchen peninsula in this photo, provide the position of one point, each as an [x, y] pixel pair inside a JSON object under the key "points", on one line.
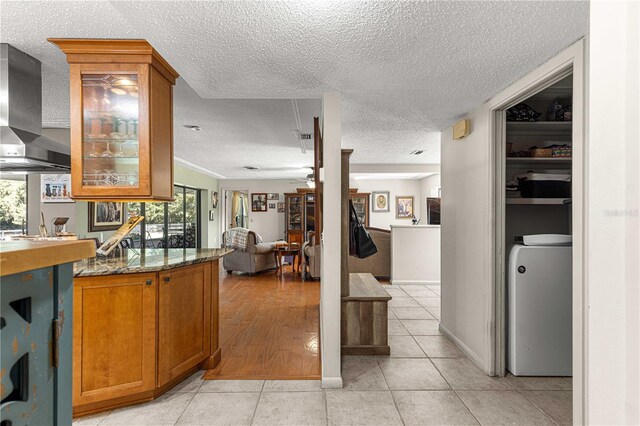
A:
{"points": [[144, 321]]}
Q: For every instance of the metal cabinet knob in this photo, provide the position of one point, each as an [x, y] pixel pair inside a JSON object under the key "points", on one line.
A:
{"points": [[149, 282], [167, 279]]}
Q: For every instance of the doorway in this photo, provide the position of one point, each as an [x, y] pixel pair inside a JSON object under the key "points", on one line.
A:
{"points": [[562, 215], [235, 209]]}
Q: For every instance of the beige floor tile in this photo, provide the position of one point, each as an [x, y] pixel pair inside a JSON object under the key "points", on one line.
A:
{"points": [[231, 386], [428, 302], [411, 313], [538, 383], [435, 312], [92, 420], [405, 347], [361, 408], [163, 411], [422, 327], [420, 292], [218, 408], [463, 374], [407, 302], [291, 408], [432, 408], [412, 374], [190, 384], [438, 347], [503, 408], [395, 291], [397, 329], [360, 373], [556, 404], [434, 288], [292, 386]]}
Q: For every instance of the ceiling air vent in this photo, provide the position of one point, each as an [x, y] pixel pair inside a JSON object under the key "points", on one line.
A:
{"points": [[251, 167], [305, 136], [417, 152]]}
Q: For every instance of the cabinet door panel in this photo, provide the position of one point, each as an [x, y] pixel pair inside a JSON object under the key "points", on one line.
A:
{"points": [[114, 336], [182, 297]]}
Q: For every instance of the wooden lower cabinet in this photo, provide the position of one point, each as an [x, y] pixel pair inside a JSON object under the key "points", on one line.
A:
{"points": [[136, 335], [182, 315]]}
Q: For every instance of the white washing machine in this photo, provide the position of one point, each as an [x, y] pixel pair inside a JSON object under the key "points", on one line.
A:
{"points": [[539, 306]]}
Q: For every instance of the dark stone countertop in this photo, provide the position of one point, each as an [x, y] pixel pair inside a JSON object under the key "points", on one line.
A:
{"points": [[145, 260]]}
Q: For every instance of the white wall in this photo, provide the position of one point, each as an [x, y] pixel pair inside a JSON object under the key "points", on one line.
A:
{"points": [[270, 224], [613, 230], [331, 247], [428, 186], [395, 187]]}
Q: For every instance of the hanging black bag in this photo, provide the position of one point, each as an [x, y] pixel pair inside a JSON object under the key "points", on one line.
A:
{"points": [[360, 243]]}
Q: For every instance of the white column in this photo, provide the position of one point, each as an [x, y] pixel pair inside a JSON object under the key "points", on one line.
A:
{"points": [[330, 260]]}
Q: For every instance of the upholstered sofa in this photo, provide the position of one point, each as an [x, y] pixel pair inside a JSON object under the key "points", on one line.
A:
{"points": [[379, 265], [255, 258], [311, 256]]}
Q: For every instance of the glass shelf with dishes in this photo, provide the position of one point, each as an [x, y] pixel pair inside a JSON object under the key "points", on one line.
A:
{"points": [[110, 133]]}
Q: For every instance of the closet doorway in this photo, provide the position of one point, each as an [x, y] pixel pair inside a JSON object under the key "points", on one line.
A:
{"points": [[531, 212]]}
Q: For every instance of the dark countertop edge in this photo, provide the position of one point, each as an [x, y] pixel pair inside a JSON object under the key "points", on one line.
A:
{"points": [[146, 269]]}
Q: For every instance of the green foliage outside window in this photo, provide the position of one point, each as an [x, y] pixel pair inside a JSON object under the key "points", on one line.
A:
{"points": [[13, 204]]}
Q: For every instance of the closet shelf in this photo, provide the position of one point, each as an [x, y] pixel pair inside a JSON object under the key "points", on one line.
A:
{"points": [[538, 201], [539, 127], [536, 161]]}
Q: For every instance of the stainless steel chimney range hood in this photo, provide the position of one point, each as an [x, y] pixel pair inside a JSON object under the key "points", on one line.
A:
{"points": [[22, 147]]}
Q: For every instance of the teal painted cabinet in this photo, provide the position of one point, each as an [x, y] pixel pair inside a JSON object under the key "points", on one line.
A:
{"points": [[36, 358]]}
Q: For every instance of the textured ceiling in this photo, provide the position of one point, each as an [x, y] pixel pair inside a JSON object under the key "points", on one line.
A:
{"points": [[405, 69]]}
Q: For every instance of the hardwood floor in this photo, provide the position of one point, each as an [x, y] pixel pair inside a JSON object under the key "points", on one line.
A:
{"points": [[269, 327]]}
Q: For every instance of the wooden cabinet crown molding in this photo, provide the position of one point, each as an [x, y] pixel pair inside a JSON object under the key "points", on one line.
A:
{"points": [[89, 50]]}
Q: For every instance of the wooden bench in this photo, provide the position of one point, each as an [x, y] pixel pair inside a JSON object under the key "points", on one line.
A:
{"points": [[364, 317]]}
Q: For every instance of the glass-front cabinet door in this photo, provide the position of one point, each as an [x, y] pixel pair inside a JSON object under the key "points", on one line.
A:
{"points": [[110, 130], [114, 116]]}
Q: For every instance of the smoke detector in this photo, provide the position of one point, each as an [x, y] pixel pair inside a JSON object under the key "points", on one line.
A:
{"points": [[417, 152], [193, 127]]}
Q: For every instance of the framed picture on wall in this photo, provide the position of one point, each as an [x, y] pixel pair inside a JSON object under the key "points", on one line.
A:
{"points": [[259, 202], [280, 207], [404, 207], [55, 188], [273, 196], [272, 205], [214, 200], [106, 216], [379, 201]]}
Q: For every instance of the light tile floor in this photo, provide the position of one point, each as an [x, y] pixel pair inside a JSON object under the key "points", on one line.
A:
{"points": [[427, 380]]}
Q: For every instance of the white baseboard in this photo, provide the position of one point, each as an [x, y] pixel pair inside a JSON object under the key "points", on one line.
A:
{"points": [[332, 382], [464, 348], [409, 282]]}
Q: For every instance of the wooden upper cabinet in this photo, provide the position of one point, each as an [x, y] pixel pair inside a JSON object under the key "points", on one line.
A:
{"points": [[121, 120]]}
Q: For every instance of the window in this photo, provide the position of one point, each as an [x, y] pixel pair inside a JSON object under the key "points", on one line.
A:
{"points": [[171, 225], [13, 206]]}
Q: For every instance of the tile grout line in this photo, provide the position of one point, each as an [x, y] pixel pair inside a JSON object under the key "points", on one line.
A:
{"points": [[255, 409], [444, 378], [535, 405], [185, 407], [390, 391]]}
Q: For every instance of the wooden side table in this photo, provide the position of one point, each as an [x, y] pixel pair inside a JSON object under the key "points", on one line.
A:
{"points": [[278, 254]]}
